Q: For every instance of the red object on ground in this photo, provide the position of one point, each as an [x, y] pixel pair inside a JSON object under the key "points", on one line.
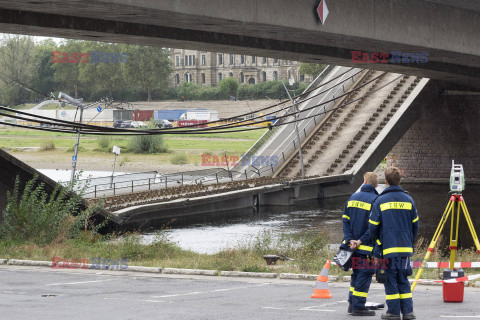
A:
{"points": [[142, 115], [453, 292]]}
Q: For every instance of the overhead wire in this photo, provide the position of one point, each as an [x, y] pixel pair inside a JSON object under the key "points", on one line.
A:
{"points": [[136, 132], [152, 131]]}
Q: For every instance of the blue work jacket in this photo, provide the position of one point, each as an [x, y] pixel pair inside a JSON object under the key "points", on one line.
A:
{"points": [[355, 219], [394, 222]]}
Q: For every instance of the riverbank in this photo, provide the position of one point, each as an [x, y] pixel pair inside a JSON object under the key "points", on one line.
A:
{"points": [[309, 249]]}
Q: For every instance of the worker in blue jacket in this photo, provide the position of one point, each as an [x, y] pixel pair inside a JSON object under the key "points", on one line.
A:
{"points": [[394, 222], [356, 237]]}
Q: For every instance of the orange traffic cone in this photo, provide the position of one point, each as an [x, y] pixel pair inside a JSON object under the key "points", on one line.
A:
{"points": [[321, 290]]}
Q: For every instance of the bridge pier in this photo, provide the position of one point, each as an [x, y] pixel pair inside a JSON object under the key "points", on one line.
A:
{"points": [[447, 129]]}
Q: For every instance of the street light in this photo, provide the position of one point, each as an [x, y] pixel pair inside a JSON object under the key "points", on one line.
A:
{"points": [[81, 106]]}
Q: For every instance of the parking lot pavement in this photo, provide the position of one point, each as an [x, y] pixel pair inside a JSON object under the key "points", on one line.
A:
{"points": [[42, 293]]}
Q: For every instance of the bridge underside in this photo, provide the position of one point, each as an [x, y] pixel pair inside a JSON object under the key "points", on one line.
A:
{"points": [[448, 31]]}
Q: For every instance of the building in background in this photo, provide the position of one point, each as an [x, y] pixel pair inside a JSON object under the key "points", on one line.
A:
{"points": [[209, 68]]}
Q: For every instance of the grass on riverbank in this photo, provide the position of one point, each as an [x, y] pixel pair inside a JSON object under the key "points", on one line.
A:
{"points": [[308, 247]]}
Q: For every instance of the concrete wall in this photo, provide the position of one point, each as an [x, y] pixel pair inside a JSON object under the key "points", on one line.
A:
{"points": [[447, 129], [10, 168]]}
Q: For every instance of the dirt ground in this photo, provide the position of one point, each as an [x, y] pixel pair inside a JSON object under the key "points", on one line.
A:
{"points": [[97, 161]]}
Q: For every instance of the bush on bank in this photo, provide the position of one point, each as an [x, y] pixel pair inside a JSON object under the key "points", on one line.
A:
{"points": [[34, 215]]}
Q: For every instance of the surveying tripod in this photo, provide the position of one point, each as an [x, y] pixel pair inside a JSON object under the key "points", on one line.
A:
{"points": [[456, 198]]}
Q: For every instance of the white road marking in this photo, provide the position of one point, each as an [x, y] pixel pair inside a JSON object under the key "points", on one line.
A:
{"points": [[445, 316], [79, 282], [11, 292], [299, 309], [211, 291]]}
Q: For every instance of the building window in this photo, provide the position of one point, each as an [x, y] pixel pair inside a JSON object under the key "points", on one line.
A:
{"points": [[203, 78], [242, 78], [190, 60], [177, 60], [220, 77], [264, 60], [275, 60], [264, 76], [275, 75], [188, 77], [302, 78], [242, 59], [251, 81], [254, 59], [230, 74], [220, 58], [177, 78], [204, 60], [232, 59]]}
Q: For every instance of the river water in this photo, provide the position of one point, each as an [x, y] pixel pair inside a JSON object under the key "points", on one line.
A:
{"points": [[215, 233]]}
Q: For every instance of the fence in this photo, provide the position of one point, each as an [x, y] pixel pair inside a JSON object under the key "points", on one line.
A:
{"points": [[145, 181]]}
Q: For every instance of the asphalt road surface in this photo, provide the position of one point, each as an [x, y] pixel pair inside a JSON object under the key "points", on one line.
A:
{"points": [[43, 293]]}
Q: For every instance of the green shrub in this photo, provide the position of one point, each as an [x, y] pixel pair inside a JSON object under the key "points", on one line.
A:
{"points": [[47, 145], [147, 144], [104, 142], [180, 158], [33, 215]]}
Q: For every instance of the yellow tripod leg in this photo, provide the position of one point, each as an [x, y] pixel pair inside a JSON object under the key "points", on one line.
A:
{"points": [[454, 241], [470, 226], [444, 218]]}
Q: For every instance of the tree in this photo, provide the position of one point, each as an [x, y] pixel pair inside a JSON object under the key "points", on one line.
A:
{"points": [[228, 87], [311, 69], [148, 68], [66, 75], [16, 53], [43, 76], [99, 74]]}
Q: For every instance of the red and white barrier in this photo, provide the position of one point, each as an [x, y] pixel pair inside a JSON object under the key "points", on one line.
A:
{"points": [[438, 265], [462, 279]]}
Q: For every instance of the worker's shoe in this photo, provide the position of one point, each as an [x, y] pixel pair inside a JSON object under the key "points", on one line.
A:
{"points": [[409, 316], [390, 316], [363, 312], [349, 308]]}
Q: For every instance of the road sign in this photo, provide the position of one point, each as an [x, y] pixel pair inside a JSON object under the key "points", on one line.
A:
{"points": [[116, 150], [74, 158], [99, 109], [322, 11]]}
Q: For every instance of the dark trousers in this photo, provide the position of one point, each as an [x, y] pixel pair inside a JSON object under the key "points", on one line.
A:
{"points": [[397, 287], [360, 282]]}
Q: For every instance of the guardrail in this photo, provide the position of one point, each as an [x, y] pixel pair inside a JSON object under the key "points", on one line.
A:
{"points": [[269, 133], [146, 181], [311, 123]]}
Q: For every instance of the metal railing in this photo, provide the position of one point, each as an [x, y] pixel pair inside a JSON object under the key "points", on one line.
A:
{"points": [[311, 124], [146, 181], [270, 133]]}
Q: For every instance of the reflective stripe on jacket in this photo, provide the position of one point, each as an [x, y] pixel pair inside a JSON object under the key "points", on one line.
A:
{"points": [[394, 221], [355, 219]]}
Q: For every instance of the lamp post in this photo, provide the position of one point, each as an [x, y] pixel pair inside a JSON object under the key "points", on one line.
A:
{"points": [[81, 106]]}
